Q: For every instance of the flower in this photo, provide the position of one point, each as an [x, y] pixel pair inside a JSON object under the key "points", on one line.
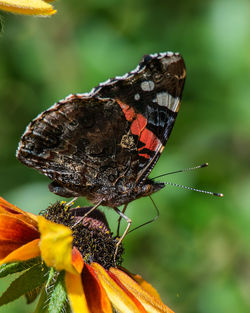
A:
{"points": [[72, 267], [28, 7]]}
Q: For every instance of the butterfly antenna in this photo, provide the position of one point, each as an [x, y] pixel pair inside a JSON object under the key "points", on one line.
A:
{"points": [[150, 221], [194, 189], [183, 170]]}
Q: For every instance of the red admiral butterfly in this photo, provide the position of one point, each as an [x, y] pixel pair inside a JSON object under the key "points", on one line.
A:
{"points": [[103, 144]]}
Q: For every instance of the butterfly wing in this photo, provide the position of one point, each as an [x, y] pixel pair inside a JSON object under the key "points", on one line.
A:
{"points": [[149, 97], [76, 143], [104, 143]]}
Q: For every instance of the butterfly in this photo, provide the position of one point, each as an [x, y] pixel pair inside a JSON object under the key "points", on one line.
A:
{"points": [[103, 144]]}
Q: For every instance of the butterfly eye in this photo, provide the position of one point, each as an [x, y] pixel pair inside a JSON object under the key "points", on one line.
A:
{"points": [[157, 77]]}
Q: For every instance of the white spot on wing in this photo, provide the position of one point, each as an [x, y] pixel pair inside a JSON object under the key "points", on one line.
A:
{"points": [[147, 85], [167, 100], [174, 58], [137, 96]]}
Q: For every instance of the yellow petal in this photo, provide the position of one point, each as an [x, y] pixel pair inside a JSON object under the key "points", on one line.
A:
{"points": [[30, 7], [76, 296], [56, 245], [122, 301], [144, 284], [151, 303]]}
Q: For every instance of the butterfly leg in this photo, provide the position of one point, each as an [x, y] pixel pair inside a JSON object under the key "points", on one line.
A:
{"points": [[70, 203], [128, 220], [119, 220], [86, 214]]}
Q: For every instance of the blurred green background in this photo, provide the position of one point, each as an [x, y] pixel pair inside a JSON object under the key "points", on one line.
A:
{"points": [[197, 253]]}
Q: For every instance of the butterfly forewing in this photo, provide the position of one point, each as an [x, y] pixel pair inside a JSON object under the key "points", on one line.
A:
{"points": [[150, 98]]}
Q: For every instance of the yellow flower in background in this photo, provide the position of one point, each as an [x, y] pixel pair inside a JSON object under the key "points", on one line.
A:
{"points": [[29, 7]]}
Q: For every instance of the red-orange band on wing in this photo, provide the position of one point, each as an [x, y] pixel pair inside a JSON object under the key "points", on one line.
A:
{"points": [[128, 111], [150, 140], [138, 128]]}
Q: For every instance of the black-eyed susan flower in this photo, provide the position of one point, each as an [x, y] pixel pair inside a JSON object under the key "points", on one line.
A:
{"points": [[28, 7], [71, 267]]}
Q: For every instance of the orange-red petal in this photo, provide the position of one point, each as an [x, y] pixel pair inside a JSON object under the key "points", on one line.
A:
{"points": [[6, 247], [77, 260], [14, 233], [10, 209], [151, 303], [75, 292], [5, 207], [122, 300], [28, 251], [96, 296], [14, 229]]}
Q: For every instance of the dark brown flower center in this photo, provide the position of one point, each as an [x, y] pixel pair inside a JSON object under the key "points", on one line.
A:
{"points": [[91, 236]]}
